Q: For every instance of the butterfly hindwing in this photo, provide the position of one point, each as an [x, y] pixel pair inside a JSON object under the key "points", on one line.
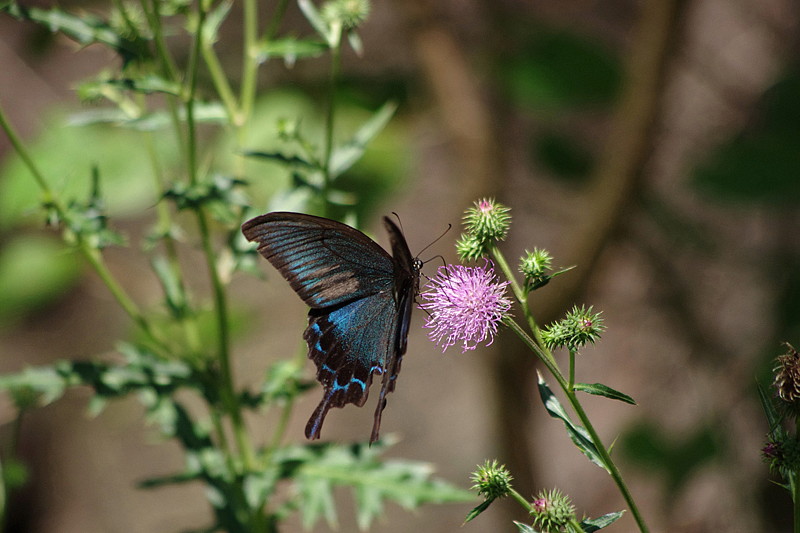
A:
{"points": [[349, 345], [360, 298]]}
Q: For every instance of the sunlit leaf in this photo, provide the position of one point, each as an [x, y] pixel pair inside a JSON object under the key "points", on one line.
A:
{"points": [[590, 525]]}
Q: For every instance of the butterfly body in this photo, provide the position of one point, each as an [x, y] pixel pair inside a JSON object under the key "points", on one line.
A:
{"points": [[360, 298]]}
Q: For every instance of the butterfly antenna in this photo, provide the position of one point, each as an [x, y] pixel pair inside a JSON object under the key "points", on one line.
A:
{"points": [[449, 227]]}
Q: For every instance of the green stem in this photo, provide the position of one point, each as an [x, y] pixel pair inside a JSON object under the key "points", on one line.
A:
{"points": [[795, 502], [571, 383], [276, 19], [336, 52], [605, 457], [522, 501], [220, 82], [247, 92], [229, 397], [517, 289]]}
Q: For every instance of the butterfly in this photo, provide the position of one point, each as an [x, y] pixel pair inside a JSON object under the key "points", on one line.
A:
{"points": [[360, 298]]}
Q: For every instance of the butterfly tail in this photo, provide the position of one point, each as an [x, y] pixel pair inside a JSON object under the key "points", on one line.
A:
{"points": [[314, 425], [376, 424]]}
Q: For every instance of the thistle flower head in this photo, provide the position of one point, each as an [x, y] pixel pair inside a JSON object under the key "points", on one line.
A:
{"points": [[552, 511], [492, 480], [580, 326], [464, 304]]}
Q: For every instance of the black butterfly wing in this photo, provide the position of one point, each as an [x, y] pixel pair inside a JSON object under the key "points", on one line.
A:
{"points": [[349, 345], [326, 262], [360, 299]]}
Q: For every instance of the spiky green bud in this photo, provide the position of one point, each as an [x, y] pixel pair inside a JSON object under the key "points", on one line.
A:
{"points": [[552, 511], [487, 220], [470, 248], [492, 480], [534, 266], [579, 327]]}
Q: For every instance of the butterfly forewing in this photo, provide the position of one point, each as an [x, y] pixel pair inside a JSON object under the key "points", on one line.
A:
{"points": [[360, 298], [325, 262]]}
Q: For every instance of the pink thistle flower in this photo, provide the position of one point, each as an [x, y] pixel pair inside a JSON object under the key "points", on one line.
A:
{"points": [[464, 304]]}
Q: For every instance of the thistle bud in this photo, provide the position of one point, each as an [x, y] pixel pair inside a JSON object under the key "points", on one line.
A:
{"points": [[492, 480], [552, 511]]}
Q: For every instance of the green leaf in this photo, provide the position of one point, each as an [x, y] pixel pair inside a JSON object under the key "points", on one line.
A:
{"points": [[147, 84], [214, 20], [315, 18], [85, 29], [578, 434], [317, 468], [524, 528], [773, 416], [478, 510], [290, 49], [598, 389], [355, 42], [289, 160], [34, 386], [346, 155], [590, 525], [205, 112]]}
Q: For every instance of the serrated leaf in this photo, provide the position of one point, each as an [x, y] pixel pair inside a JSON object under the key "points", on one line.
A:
{"points": [[598, 389], [317, 469], [590, 525], [85, 29], [578, 434], [478, 510], [346, 155]]}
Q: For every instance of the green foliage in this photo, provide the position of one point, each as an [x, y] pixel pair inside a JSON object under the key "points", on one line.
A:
{"points": [[34, 270], [147, 145], [758, 165], [677, 458], [558, 70]]}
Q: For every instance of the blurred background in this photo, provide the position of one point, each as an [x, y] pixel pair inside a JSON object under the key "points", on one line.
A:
{"points": [[655, 145]]}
